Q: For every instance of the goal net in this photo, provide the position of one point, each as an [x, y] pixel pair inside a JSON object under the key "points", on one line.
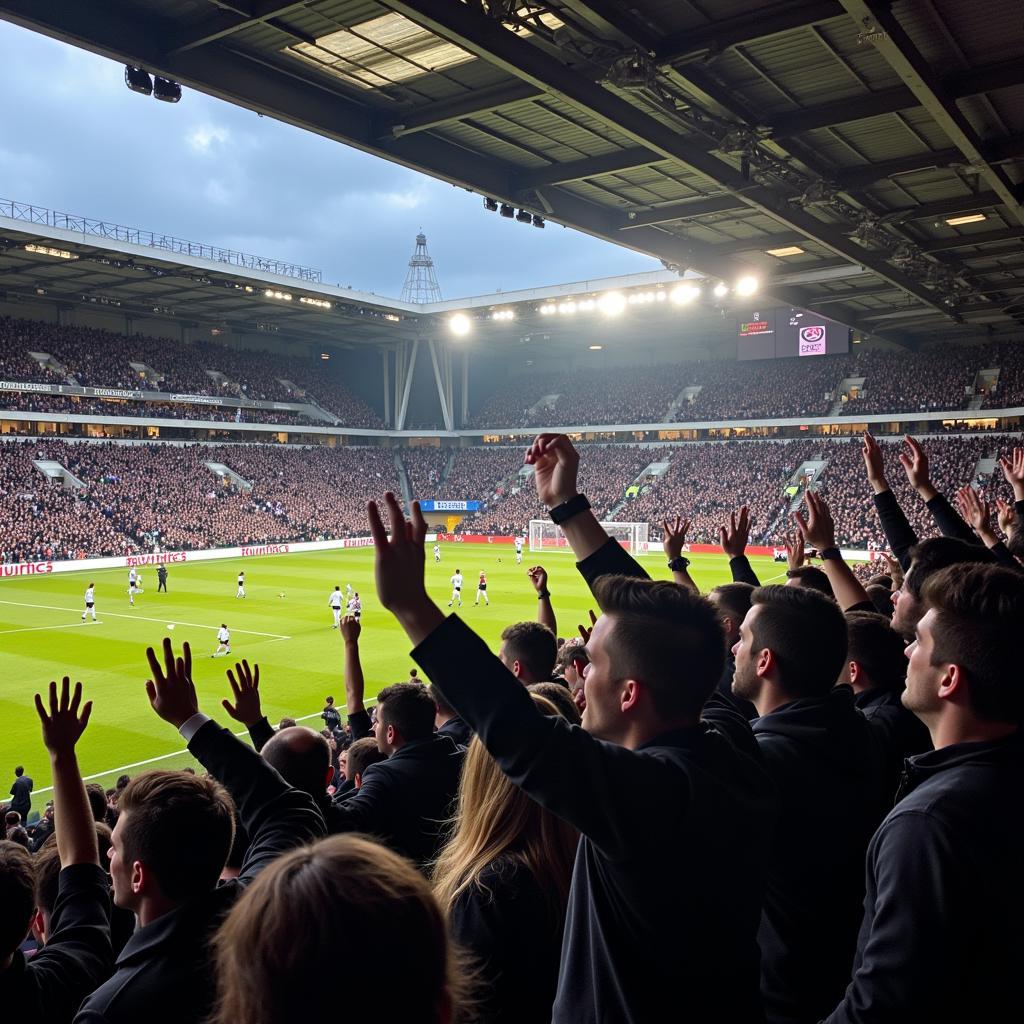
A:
{"points": [[546, 536]]}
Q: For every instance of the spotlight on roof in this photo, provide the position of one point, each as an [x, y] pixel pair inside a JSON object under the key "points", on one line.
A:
{"points": [[138, 80], [746, 285], [538, 220], [524, 216], [165, 89], [682, 294], [507, 210], [460, 325], [490, 204], [611, 303], [721, 290]]}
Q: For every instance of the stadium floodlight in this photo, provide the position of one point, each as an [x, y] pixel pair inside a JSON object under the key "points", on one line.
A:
{"points": [[567, 307], [547, 309], [538, 220], [490, 204], [524, 216], [49, 250], [746, 285], [612, 303], [166, 89], [682, 294], [460, 325], [507, 210], [138, 80], [721, 290]]}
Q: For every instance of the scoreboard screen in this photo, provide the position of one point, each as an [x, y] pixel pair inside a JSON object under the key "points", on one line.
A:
{"points": [[786, 332]]}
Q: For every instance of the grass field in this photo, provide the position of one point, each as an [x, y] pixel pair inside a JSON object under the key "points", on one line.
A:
{"points": [[42, 637]]}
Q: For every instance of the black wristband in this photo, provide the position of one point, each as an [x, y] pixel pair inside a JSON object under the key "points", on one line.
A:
{"points": [[541, 594], [573, 507], [826, 553], [678, 563]]}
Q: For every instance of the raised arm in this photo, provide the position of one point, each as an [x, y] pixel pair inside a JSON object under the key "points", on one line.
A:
{"points": [[247, 707], [673, 543], [733, 537], [898, 531], [355, 685], [818, 530], [1013, 471], [545, 611], [978, 513], [915, 464]]}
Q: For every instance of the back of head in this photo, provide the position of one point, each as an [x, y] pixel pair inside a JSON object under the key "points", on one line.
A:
{"points": [[19, 771], [881, 598], [361, 755], [409, 709], [344, 899], [17, 895], [443, 707], [877, 648], [97, 801], [18, 835], [936, 553], [302, 758], [533, 646], [666, 637], [733, 600], [180, 826], [806, 633], [559, 695], [570, 653], [977, 612], [880, 580], [810, 576]]}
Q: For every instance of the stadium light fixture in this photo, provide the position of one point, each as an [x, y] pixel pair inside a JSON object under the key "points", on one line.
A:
{"points": [[746, 285], [319, 303], [682, 294], [567, 308], [547, 309], [490, 204], [49, 250], [166, 89], [271, 293], [138, 80], [612, 303], [524, 216], [595, 348], [786, 250], [460, 325], [967, 218], [503, 314], [538, 220], [507, 210], [721, 290]]}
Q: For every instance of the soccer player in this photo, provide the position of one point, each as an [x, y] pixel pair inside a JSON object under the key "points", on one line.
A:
{"points": [[133, 585], [437, 552], [519, 550], [90, 602], [335, 602], [355, 606], [223, 641], [456, 582], [481, 589], [241, 585], [348, 592]]}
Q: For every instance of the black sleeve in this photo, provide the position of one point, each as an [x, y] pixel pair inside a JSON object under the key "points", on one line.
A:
{"points": [[742, 572], [369, 809], [898, 532], [360, 725], [276, 816], [861, 606], [261, 733], [546, 756], [949, 521], [1018, 507], [1003, 556], [611, 559], [78, 956]]}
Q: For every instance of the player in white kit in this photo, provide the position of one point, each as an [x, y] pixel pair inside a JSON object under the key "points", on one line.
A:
{"points": [[519, 550], [437, 552], [241, 585], [223, 641], [133, 585], [481, 589], [355, 606], [456, 582], [335, 601], [90, 602]]}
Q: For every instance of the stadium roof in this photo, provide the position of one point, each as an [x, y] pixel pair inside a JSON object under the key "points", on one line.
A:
{"points": [[838, 133]]}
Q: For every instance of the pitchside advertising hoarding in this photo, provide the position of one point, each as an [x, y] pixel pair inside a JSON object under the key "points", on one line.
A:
{"points": [[785, 332], [433, 505]]}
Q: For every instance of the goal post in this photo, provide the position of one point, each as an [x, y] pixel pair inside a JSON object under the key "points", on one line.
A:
{"points": [[546, 536]]}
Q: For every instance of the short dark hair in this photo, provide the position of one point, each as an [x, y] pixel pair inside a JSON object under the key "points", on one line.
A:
{"points": [[734, 599], [47, 869], [978, 612], [301, 757], [806, 632], [441, 701], [181, 826], [569, 654], [409, 708], [813, 577], [873, 643], [97, 801], [936, 553], [882, 579], [17, 895], [666, 637], [362, 754], [881, 598], [532, 645], [559, 695], [286, 723]]}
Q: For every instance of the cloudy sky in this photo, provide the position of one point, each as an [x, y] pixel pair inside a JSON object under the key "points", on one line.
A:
{"points": [[76, 139]]}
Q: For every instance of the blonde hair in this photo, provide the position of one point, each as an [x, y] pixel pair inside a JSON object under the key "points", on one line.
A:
{"points": [[496, 820], [343, 898]]}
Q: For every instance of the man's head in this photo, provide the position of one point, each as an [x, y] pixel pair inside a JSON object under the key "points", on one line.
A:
{"points": [[97, 801], [302, 758], [528, 651], [287, 723], [809, 576], [171, 841], [656, 654], [12, 819], [405, 713], [359, 757], [17, 897], [732, 600], [964, 667], [881, 598], [19, 771], [875, 658], [560, 696], [330, 702], [926, 559], [792, 644], [445, 712]]}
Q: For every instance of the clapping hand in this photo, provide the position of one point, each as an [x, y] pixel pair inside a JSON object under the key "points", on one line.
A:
{"points": [[734, 536], [794, 549], [1013, 471], [1006, 517], [171, 691], [976, 512], [915, 465], [555, 468], [400, 558], [63, 725], [247, 708], [675, 536], [817, 529], [538, 577]]}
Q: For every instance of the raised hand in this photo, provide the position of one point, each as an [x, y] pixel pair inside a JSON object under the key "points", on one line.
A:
{"points": [[585, 631], [538, 577], [976, 512], [874, 464], [734, 535], [555, 468], [1006, 517], [1013, 470], [915, 464], [794, 549], [675, 536], [171, 692], [245, 685], [350, 629], [817, 529], [64, 724]]}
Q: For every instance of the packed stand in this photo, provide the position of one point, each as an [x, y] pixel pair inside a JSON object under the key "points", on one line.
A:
{"points": [[424, 468]]}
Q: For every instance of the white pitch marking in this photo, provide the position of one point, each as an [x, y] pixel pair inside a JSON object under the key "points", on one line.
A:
{"points": [[67, 625]]}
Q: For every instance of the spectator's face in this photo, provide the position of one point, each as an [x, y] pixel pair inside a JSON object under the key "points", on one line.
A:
{"points": [[343, 763], [924, 680], [602, 688], [745, 681], [907, 610], [120, 872]]}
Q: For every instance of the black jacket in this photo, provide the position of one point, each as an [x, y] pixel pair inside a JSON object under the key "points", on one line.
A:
{"points": [[164, 972], [22, 800], [827, 764], [49, 988], [406, 800], [942, 940], [901, 733], [647, 927], [458, 729]]}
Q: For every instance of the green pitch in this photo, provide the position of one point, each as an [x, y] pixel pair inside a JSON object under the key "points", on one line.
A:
{"points": [[42, 637]]}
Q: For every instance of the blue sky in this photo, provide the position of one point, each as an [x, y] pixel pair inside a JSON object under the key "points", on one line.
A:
{"points": [[76, 139]]}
